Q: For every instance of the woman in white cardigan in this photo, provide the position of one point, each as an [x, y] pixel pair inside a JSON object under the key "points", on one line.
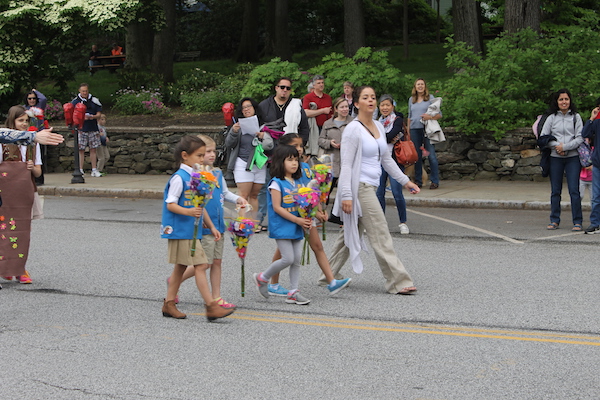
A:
{"points": [[364, 151]]}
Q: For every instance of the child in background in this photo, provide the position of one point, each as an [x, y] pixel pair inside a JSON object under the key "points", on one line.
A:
{"points": [[19, 120], [285, 224], [102, 151], [334, 286], [585, 178], [212, 246], [178, 220]]}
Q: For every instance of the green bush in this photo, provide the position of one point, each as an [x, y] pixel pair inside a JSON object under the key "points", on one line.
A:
{"points": [[512, 84], [133, 102], [139, 79], [262, 79], [367, 67]]}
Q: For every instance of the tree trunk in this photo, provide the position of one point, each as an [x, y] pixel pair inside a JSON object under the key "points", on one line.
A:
{"points": [[405, 29], [162, 56], [354, 27], [282, 38], [520, 14], [138, 45], [269, 48], [467, 25], [248, 48]]}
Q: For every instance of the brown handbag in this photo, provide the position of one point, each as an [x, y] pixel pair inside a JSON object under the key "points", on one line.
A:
{"points": [[405, 151]]}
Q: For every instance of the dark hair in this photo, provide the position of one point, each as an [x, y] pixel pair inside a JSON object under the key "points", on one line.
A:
{"points": [[598, 102], [553, 107], [238, 109], [287, 138], [13, 113], [357, 91], [283, 78], [189, 144], [282, 153], [37, 99]]}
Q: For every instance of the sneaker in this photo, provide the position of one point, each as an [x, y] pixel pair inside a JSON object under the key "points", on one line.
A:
{"points": [[25, 278], [592, 229], [404, 229], [277, 290], [297, 298], [82, 173], [95, 173], [263, 286], [8, 278], [339, 285]]}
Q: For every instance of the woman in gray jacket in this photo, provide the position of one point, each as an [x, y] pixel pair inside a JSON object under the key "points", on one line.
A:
{"points": [[249, 178]]}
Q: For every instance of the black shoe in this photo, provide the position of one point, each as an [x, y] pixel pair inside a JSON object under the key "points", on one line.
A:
{"points": [[334, 219], [592, 229]]}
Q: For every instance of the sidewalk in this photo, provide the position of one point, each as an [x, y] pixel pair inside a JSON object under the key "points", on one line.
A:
{"points": [[450, 194]]}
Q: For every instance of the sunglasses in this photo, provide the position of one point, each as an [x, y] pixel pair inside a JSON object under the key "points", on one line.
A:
{"points": [[282, 87], [32, 98]]}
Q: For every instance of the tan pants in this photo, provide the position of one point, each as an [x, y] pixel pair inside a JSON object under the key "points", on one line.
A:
{"points": [[374, 222], [103, 156]]}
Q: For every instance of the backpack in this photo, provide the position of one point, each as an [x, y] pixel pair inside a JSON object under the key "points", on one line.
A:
{"points": [[539, 124]]}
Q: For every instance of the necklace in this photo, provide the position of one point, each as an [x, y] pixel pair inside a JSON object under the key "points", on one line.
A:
{"points": [[280, 106]]}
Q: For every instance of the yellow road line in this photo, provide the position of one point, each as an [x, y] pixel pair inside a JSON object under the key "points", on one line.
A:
{"points": [[524, 335]]}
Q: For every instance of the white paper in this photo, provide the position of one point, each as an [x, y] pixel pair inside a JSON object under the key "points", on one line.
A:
{"points": [[249, 125]]}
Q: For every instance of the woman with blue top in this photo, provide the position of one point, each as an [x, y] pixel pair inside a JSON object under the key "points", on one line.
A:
{"points": [[417, 110], [564, 124], [392, 122]]}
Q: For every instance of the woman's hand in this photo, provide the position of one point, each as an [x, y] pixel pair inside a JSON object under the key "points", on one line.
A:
{"points": [[412, 187], [595, 112], [46, 136], [426, 117], [260, 135], [559, 149], [335, 144], [395, 139], [236, 127], [347, 206]]}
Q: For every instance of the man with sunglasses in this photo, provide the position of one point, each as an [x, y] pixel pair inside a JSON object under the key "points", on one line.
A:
{"points": [[283, 107]]}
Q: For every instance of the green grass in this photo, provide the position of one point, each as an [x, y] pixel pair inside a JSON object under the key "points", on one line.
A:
{"points": [[425, 60]]}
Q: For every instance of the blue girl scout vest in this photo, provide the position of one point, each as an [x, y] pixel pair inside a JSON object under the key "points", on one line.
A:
{"points": [[177, 226], [214, 207], [307, 174], [279, 227]]}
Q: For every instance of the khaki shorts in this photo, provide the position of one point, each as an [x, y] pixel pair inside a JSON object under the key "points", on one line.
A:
{"points": [[180, 252], [212, 249]]}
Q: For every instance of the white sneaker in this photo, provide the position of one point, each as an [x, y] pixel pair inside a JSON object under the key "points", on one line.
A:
{"points": [[95, 173], [404, 229], [82, 173]]}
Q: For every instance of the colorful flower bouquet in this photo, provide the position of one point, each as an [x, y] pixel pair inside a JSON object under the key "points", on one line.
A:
{"points": [[324, 176], [307, 200], [202, 184], [241, 228]]}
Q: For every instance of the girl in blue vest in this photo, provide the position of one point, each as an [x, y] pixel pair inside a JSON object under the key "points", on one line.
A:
{"points": [[333, 285], [285, 224], [213, 247], [178, 219]]}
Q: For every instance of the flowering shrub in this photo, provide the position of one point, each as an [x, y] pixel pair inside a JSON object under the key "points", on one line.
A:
{"points": [[143, 101], [54, 110]]}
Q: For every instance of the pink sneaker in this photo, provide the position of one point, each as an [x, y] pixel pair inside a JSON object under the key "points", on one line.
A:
{"points": [[8, 278], [25, 278], [221, 302], [176, 297]]}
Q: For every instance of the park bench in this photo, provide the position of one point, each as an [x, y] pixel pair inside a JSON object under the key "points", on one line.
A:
{"points": [[107, 62], [187, 56]]}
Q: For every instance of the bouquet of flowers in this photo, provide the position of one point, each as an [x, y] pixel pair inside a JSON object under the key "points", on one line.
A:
{"points": [[36, 117], [307, 200], [241, 228], [324, 176], [202, 184]]}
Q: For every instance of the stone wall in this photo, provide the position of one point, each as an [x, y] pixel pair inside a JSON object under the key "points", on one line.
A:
{"points": [[150, 151]]}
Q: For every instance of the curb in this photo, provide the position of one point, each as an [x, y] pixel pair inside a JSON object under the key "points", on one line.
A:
{"points": [[96, 192]]}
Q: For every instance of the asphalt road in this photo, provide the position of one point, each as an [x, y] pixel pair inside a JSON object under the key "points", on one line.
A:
{"points": [[504, 310]]}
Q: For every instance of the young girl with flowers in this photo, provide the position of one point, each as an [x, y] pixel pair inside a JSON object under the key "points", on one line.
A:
{"points": [[178, 225]]}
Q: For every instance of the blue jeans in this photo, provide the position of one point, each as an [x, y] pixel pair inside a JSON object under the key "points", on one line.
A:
{"points": [[396, 191], [262, 198], [595, 215], [570, 167], [419, 139]]}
